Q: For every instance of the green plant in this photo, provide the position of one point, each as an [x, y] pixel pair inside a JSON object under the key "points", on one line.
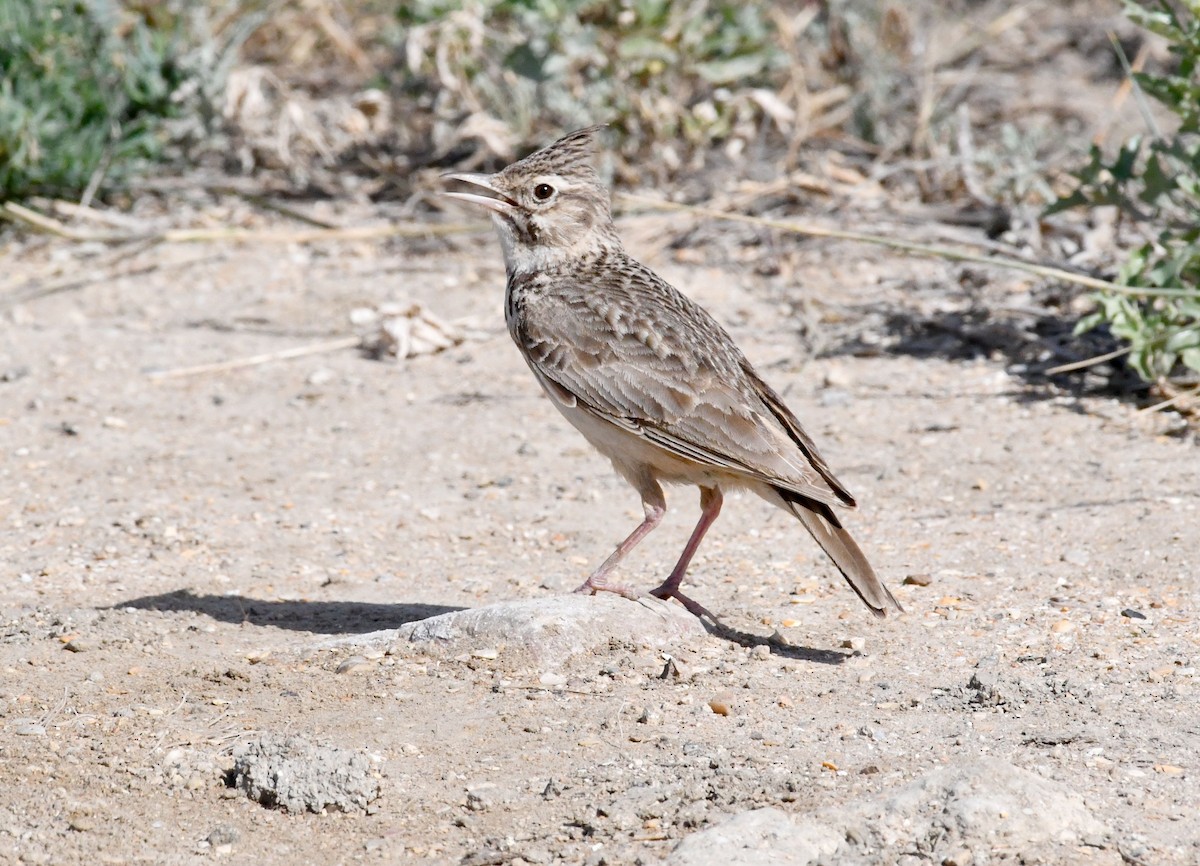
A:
{"points": [[657, 69], [83, 95], [1156, 182]]}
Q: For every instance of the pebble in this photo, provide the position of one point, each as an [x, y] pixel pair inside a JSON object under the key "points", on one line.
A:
{"points": [[837, 377], [721, 704], [30, 730], [960, 857], [858, 644], [832, 397], [1076, 556], [1130, 613], [762, 652], [78, 645], [354, 665], [918, 580], [223, 834], [82, 823]]}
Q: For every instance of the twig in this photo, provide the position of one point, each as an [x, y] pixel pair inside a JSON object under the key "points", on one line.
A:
{"points": [[21, 214], [108, 217], [255, 360], [966, 149], [97, 177], [913, 248], [1088, 362], [58, 708], [1181, 394], [1138, 95], [259, 200]]}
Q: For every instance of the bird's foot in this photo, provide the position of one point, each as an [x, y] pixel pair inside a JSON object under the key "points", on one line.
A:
{"points": [[666, 591], [591, 587]]}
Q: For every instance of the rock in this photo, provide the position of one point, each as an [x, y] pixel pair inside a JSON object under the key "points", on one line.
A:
{"points": [[983, 805], [965, 811], [293, 774], [1076, 556], [223, 834], [721, 704], [762, 837], [992, 685], [354, 665], [545, 631]]}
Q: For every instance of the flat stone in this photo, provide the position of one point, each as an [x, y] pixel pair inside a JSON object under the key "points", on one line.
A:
{"points": [[762, 837], [291, 773], [545, 631], [970, 809]]}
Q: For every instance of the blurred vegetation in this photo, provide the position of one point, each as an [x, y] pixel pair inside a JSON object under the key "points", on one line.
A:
{"points": [[1155, 182], [659, 70], [375, 97], [94, 92], [79, 101]]}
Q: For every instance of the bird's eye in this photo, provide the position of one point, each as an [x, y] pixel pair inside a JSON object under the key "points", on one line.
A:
{"points": [[543, 191]]}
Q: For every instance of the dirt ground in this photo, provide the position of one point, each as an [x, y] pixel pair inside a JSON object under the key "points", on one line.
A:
{"points": [[197, 567], [179, 552]]}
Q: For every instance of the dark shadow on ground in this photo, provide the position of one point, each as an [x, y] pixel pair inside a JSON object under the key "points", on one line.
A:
{"points": [[1028, 342], [320, 617], [777, 645]]}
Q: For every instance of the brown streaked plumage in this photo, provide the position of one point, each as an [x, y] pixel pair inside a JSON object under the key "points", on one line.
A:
{"points": [[646, 374]]}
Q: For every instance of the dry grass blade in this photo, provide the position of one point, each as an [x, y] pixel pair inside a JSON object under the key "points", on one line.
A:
{"points": [[41, 222], [1183, 399], [948, 253], [1088, 362], [256, 360]]}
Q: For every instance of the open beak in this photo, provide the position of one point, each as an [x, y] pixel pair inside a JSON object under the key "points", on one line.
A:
{"points": [[495, 200]]}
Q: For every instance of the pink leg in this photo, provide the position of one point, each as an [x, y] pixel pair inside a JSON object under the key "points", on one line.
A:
{"points": [[710, 507], [655, 505]]}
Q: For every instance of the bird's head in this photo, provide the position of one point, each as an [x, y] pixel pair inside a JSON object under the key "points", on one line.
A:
{"points": [[550, 208]]}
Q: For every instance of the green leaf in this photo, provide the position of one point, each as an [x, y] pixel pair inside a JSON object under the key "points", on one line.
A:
{"points": [[732, 69], [1180, 341], [1191, 358]]}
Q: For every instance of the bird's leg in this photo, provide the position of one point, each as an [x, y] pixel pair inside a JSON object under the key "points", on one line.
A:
{"points": [[710, 507], [655, 505]]}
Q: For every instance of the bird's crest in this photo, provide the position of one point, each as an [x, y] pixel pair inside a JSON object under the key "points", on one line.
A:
{"points": [[573, 156]]}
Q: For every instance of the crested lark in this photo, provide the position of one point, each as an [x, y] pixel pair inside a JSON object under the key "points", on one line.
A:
{"points": [[645, 374]]}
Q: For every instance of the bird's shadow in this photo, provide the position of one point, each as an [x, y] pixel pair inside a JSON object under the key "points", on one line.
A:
{"points": [[777, 645], [351, 617], [319, 617]]}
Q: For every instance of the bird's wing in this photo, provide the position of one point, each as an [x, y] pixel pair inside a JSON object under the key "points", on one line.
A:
{"points": [[674, 377]]}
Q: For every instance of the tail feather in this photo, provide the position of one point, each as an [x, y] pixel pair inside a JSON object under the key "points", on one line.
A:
{"points": [[827, 530]]}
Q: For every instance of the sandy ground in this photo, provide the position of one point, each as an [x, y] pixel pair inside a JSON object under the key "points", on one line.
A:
{"points": [[178, 555]]}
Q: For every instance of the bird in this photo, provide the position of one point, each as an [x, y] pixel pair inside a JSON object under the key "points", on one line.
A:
{"points": [[646, 374]]}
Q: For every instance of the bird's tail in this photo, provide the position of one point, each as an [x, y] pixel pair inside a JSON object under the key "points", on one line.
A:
{"points": [[824, 526]]}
